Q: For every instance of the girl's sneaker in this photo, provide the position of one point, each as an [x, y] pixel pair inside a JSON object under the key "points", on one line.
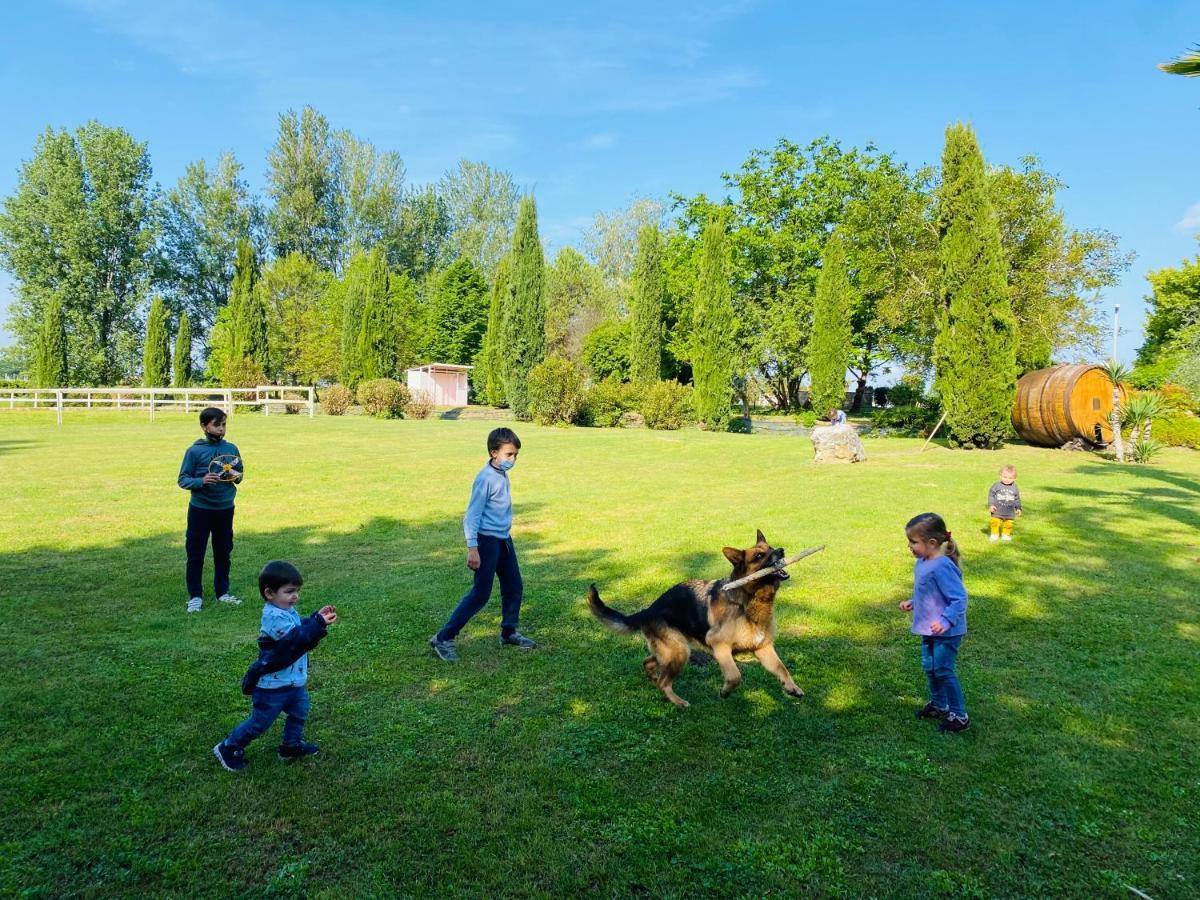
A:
{"points": [[194, 604], [954, 724], [297, 751], [230, 759], [929, 711], [230, 599]]}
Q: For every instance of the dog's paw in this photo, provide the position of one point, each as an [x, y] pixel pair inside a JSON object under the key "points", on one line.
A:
{"points": [[729, 687], [794, 690]]}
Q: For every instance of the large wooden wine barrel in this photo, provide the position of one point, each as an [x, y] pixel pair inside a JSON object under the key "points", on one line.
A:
{"points": [[1062, 403]]}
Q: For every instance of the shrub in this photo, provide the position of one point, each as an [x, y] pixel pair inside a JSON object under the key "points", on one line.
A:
{"points": [[905, 394], [907, 419], [419, 406], [1178, 431], [1177, 398], [606, 350], [880, 396], [336, 399], [606, 401], [556, 392], [383, 398], [243, 372], [806, 417], [1145, 451], [667, 405]]}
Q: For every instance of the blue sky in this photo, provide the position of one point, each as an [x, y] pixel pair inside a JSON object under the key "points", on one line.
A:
{"points": [[592, 104]]}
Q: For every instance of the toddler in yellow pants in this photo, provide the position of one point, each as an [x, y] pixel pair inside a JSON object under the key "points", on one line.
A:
{"points": [[1004, 505]]}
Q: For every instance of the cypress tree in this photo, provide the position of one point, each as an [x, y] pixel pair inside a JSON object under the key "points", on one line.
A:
{"points": [[50, 350], [245, 276], [645, 311], [713, 324], [974, 352], [489, 371], [829, 348], [378, 339], [251, 331], [458, 314], [182, 362], [157, 351], [354, 301], [524, 344]]}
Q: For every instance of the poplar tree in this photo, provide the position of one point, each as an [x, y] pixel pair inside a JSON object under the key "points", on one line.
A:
{"points": [[713, 321], [182, 363], [157, 350], [830, 346], [524, 330], [50, 348], [646, 306]]}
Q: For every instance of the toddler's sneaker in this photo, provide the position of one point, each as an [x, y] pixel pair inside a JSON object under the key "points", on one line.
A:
{"points": [[230, 759], [194, 604], [1007, 537], [518, 640], [298, 751], [445, 650], [954, 724], [993, 538], [230, 599], [929, 711]]}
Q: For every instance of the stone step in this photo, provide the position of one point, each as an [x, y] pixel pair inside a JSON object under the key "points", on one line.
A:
{"points": [[474, 414]]}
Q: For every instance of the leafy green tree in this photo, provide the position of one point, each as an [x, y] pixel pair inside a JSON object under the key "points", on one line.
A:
{"points": [[457, 314], [371, 183], [488, 376], [482, 206], [713, 327], [611, 241], [182, 362], [524, 343], [378, 333], [645, 309], [303, 182], [974, 351], [423, 235], [303, 332], [201, 221], [1188, 64], [577, 300], [355, 288], [1174, 319], [50, 348], [606, 350], [157, 350], [831, 346], [79, 228]]}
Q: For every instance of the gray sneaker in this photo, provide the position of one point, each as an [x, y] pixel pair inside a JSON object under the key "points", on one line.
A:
{"points": [[445, 650], [516, 639]]}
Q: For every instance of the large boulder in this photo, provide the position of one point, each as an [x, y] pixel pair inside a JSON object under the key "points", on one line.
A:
{"points": [[838, 444]]}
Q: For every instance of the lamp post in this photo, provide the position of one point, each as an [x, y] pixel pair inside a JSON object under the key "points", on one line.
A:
{"points": [[1116, 329]]}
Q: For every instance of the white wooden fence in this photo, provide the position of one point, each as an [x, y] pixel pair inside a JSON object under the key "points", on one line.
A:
{"points": [[160, 398]]}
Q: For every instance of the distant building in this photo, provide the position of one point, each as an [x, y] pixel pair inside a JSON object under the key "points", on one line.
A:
{"points": [[443, 383]]}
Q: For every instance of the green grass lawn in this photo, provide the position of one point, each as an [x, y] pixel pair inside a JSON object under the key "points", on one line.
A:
{"points": [[563, 771]]}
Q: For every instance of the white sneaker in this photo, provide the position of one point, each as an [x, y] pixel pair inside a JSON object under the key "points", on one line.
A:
{"points": [[1007, 537], [194, 604], [993, 538], [230, 599]]}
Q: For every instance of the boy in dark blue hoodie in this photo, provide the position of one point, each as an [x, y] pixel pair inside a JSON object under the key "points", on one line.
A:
{"points": [[212, 469]]}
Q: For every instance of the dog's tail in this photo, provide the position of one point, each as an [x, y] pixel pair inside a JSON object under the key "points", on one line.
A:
{"points": [[619, 623]]}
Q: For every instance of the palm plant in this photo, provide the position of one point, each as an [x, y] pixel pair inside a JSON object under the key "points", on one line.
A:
{"points": [[1188, 64], [1117, 373], [1140, 413], [1145, 451]]}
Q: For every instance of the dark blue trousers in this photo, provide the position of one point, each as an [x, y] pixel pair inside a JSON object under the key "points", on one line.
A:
{"points": [[202, 524], [497, 557]]}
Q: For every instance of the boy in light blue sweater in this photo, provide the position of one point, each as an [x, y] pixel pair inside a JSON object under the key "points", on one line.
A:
{"points": [[490, 550]]}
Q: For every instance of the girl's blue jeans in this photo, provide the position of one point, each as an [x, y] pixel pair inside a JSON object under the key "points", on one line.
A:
{"points": [[267, 704], [938, 655]]}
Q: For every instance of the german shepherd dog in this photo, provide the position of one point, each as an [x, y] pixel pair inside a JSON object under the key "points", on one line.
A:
{"points": [[701, 612]]}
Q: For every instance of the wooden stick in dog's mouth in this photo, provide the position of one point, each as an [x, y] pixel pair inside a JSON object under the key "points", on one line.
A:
{"points": [[763, 573]]}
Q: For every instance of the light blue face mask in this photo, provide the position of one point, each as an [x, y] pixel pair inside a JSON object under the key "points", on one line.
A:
{"points": [[505, 464]]}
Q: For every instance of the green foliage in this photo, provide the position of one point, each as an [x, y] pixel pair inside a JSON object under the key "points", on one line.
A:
{"points": [[1178, 431], [419, 406], [830, 347], [1174, 321], [1187, 65], [336, 399], [242, 372], [911, 419], [481, 206], [157, 351], [241, 332], [423, 238], [806, 417], [181, 367], [713, 327], [974, 351], [525, 319], [303, 319], [370, 185], [606, 350], [606, 401], [458, 315], [488, 375], [50, 350], [79, 228], [384, 398], [302, 181], [380, 332], [556, 392], [1145, 451], [354, 292], [645, 309], [577, 300], [668, 405]]}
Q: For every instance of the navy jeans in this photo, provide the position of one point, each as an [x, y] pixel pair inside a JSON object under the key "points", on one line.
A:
{"points": [[938, 655], [266, 705], [497, 557], [200, 524]]}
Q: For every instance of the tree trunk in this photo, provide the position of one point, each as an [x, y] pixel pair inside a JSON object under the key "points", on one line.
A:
{"points": [[859, 390], [1115, 419]]}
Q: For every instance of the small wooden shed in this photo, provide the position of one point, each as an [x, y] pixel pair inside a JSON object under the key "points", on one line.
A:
{"points": [[443, 383], [1062, 403]]}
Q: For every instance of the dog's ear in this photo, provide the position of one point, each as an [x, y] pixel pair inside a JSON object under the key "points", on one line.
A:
{"points": [[735, 556], [761, 539]]}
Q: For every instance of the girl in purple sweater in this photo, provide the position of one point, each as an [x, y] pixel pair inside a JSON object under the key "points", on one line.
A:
{"points": [[939, 608]]}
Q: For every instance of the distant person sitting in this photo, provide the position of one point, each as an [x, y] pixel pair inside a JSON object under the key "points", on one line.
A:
{"points": [[837, 417]]}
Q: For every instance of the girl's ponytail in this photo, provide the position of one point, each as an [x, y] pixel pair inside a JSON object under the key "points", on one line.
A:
{"points": [[932, 526]]}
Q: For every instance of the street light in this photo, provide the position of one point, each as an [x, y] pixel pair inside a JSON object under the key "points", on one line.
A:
{"points": [[1116, 329]]}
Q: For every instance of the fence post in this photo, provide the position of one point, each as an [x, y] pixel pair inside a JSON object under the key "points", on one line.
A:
{"points": [[59, 403], [151, 404], [229, 401], [187, 400], [311, 401]]}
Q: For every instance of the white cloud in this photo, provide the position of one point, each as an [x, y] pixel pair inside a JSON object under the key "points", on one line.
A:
{"points": [[1191, 218]]}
